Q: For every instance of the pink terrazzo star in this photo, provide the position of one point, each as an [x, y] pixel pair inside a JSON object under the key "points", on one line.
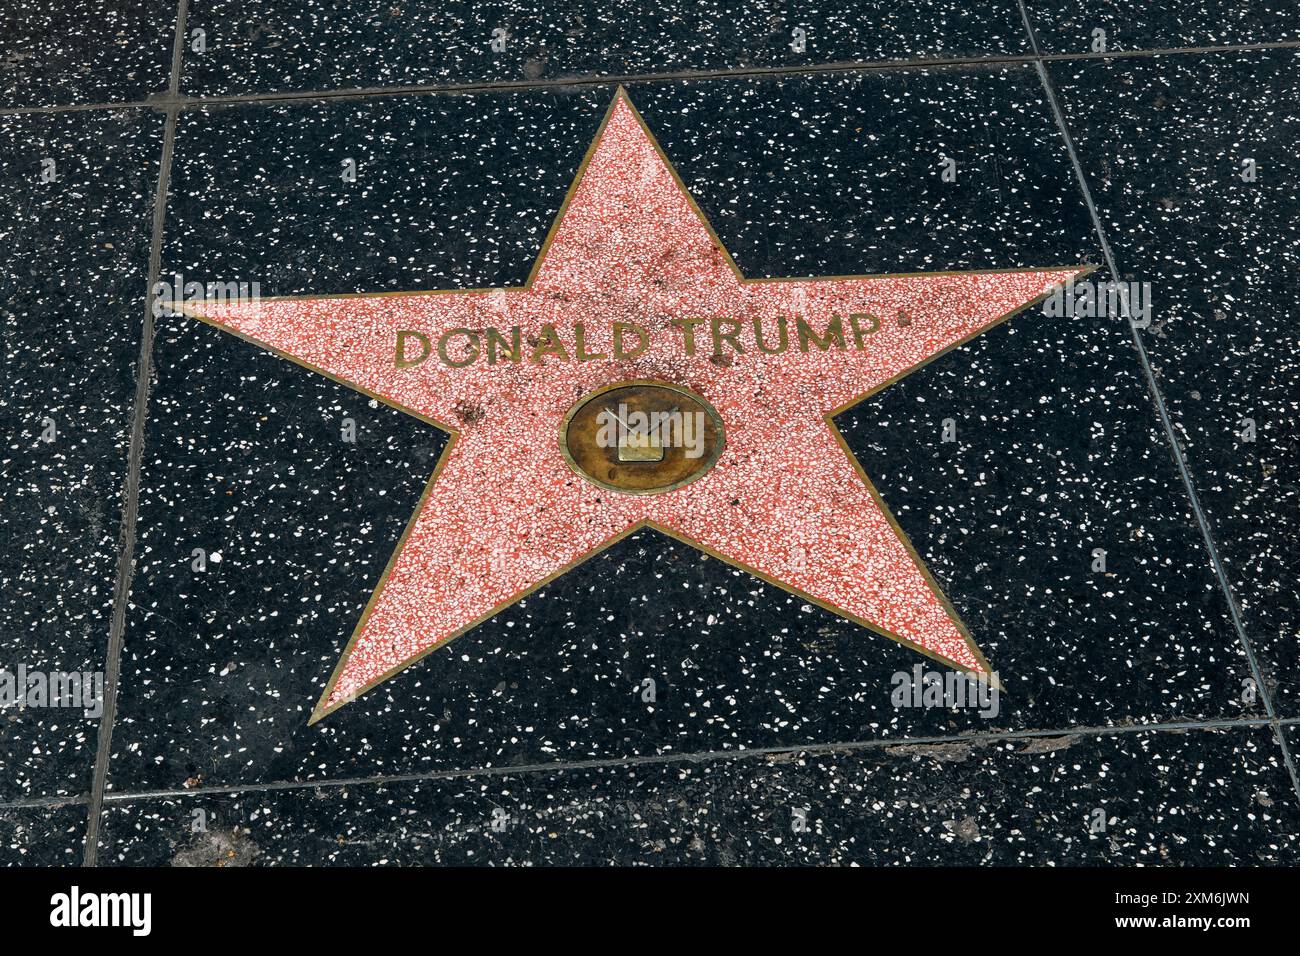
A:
{"points": [[504, 513]]}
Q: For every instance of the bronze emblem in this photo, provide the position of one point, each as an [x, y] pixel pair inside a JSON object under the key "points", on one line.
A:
{"points": [[641, 438]]}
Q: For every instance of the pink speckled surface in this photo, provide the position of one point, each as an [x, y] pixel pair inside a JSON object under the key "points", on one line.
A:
{"points": [[506, 513]]}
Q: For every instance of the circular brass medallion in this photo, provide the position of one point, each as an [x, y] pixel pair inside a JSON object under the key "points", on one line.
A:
{"points": [[641, 438]]}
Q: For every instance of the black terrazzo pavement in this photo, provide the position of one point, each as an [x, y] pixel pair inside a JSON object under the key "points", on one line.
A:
{"points": [[804, 172], [1070, 26], [77, 257], [1196, 798], [51, 835], [1222, 255], [67, 52], [253, 47]]}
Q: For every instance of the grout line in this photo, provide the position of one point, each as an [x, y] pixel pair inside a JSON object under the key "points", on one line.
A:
{"points": [[857, 746], [135, 456], [1162, 411], [74, 800], [173, 100], [562, 766]]}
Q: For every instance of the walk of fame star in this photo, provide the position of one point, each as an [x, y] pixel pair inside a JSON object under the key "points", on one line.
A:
{"points": [[634, 309]]}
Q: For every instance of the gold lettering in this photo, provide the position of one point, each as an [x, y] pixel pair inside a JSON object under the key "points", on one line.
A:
{"points": [[643, 340], [731, 338], [858, 332], [781, 330], [471, 345], [400, 359], [687, 327], [579, 345], [548, 343], [496, 340], [834, 335]]}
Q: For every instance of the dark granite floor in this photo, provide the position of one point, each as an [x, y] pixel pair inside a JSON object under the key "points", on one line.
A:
{"points": [[1149, 710]]}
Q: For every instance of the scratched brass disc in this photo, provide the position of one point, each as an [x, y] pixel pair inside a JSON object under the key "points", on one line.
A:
{"points": [[641, 438]]}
